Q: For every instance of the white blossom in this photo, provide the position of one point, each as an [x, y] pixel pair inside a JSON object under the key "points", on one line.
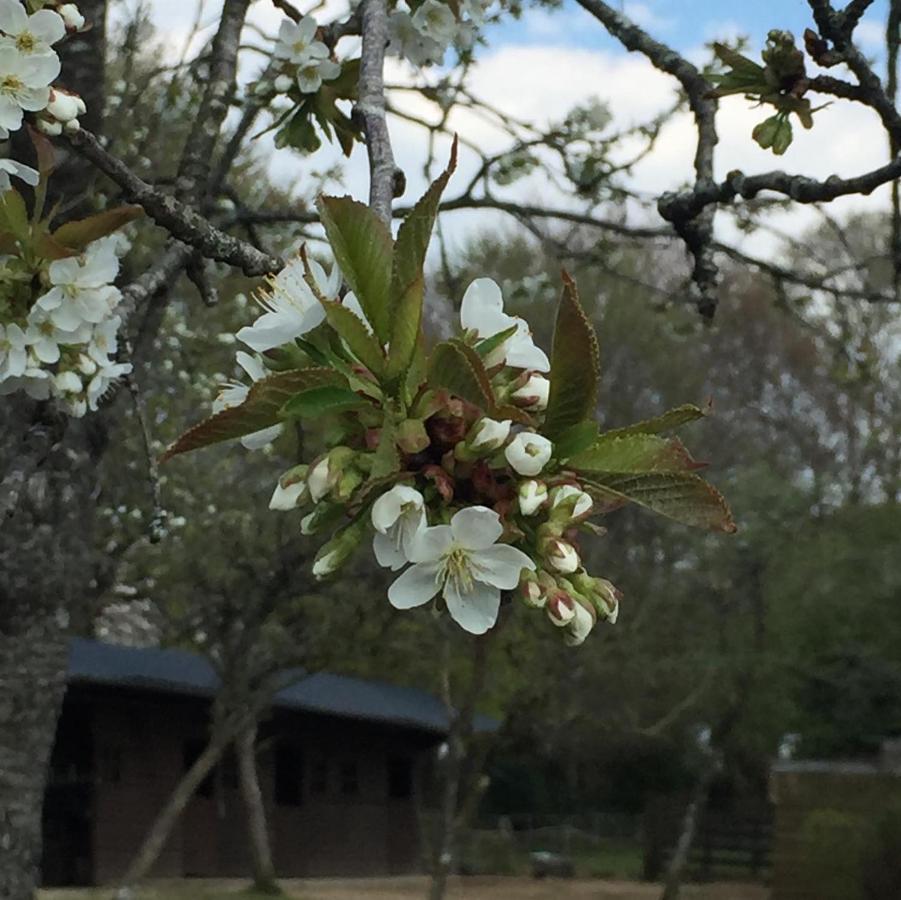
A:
{"points": [[292, 309], [407, 41], [24, 83], [434, 19], [297, 42], [13, 352], [398, 516], [107, 373], [19, 170], [235, 393], [528, 453], [30, 34], [44, 336], [465, 563], [313, 72], [287, 497], [482, 311]]}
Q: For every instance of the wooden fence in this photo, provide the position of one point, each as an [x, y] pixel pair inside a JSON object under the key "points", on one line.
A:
{"points": [[726, 847]]}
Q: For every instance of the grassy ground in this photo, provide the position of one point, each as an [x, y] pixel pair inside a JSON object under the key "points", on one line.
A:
{"points": [[476, 888]]}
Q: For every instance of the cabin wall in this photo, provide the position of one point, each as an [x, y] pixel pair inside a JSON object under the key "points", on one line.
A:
{"points": [[340, 794]]}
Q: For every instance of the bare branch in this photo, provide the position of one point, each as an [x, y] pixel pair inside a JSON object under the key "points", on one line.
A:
{"points": [[695, 229], [385, 179]]}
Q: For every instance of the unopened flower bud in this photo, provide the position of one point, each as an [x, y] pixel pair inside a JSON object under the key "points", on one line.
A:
{"points": [[338, 550], [49, 127], [71, 16], [68, 382], [283, 83], [561, 555], [602, 594], [531, 591], [290, 490], [488, 435], [532, 495], [560, 608], [569, 502], [62, 106], [528, 453], [534, 393], [580, 626], [325, 474], [86, 365], [72, 126], [411, 436]]}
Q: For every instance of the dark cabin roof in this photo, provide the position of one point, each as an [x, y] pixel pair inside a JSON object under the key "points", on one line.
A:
{"points": [[181, 672]]}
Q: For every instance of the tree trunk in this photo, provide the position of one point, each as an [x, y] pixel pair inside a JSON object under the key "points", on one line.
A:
{"points": [[33, 657], [264, 879], [159, 832], [675, 871]]}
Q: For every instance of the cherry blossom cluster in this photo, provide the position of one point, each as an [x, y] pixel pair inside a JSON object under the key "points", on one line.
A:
{"points": [[62, 343], [305, 59], [422, 32], [480, 508], [28, 67]]}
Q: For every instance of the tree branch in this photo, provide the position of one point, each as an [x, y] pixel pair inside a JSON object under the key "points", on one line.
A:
{"points": [[179, 219], [696, 229], [385, 179]]}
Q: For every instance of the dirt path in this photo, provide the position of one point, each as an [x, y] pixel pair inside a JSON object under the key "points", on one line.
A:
{"points": [[415, 887]]}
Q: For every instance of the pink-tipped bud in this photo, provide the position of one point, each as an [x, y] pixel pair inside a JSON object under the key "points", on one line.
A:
{"points": [[560, 608]]}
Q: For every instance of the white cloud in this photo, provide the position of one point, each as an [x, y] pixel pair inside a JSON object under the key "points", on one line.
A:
{"points": [[642, 14]]}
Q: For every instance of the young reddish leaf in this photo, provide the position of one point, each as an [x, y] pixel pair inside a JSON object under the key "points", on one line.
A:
{"points": [[634, 453], [363, 250], [259, 410], [682, 496], [451, 368], [78, 234], [575, 366]]}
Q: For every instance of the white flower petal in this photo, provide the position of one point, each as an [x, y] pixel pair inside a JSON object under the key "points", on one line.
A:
{"points": [[387, 553], [47, 26], [262, 438], [501, 566], [483, 304], [414, 587], [431, 544], [13, 18], [476, 527], [476, 610]]}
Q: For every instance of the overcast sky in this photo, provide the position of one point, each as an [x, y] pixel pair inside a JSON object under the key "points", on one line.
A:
{"points": [[540, 66]]}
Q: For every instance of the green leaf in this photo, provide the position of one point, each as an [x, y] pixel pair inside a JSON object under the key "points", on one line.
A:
{"points": [[484, 348], [450, 367], [362, 246], [575, 439], [322, 401], [407, 317], [671, 419], [259, 410], [352, 329], [386, 460], [634, 453], [407, 282], [736, 61], [14, 215], [682, 496], [75, 236], [575, 366], [774, 133]]}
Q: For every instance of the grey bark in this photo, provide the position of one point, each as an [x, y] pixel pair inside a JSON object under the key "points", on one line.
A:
{"points": [[264, 879]]}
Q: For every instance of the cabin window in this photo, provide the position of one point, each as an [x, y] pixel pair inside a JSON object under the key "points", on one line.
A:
{"points": [[350, 778], [400, 777], [288, 775], [191, 752]]}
